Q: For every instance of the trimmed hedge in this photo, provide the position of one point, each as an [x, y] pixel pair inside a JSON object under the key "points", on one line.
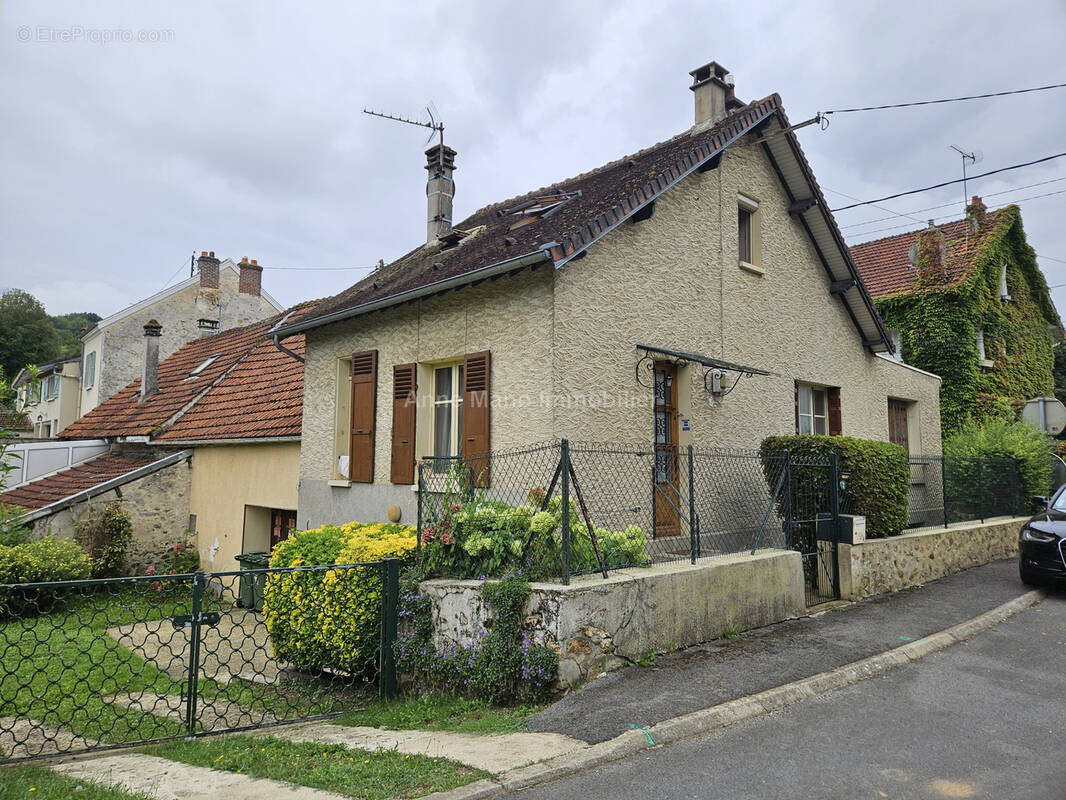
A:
{"points": [[330, 619], [43, 560], [876, 477]]}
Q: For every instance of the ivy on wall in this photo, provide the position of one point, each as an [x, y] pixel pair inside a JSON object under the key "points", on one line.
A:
{"points": [[938, 325]]}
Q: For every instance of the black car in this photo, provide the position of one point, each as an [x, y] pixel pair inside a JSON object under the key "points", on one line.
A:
{"points": [[1042, 542]]}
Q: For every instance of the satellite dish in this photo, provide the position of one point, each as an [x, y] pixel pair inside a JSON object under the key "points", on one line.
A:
{"points": [[1045, 413]]}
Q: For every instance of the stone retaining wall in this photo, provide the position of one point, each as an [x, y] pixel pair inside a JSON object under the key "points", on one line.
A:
{"points": [[888, 565], [600, 625]]}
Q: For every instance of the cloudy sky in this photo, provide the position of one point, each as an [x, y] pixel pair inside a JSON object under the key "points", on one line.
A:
{"points": [[136, 133]]}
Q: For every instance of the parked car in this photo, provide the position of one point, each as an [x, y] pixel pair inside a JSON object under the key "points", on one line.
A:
{"points": [[1042, 542]]}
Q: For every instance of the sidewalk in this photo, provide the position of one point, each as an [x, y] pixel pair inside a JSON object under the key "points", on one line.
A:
{"points": [[728, 669]]}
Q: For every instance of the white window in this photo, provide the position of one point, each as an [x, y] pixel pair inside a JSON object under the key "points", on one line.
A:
{"points": [[89, 370], [54, 389], [447, 413], [1004, 295], [980, 344], [897, 345], [749, 246], [207, 363], [812, 416]]}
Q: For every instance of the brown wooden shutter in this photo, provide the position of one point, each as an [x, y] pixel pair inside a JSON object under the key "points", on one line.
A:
{"points": [[832, 399], [364, 414], [404, 405], [796, 394], [477, 368]]}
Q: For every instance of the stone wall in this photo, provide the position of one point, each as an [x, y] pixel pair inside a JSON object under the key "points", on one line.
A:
{"points": [[911, 559], [598, 626], [158, 505]]}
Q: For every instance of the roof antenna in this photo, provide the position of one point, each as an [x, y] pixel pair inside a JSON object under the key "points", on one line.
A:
{"points": [[433, 124], [976, 157]]}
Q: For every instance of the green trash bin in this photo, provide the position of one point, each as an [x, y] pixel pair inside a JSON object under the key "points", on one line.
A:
{"points": [[252, 585]]}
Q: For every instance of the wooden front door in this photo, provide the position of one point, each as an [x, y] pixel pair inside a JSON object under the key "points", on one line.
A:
{"points": [[897, 424], [282, 523], [667, 498]]}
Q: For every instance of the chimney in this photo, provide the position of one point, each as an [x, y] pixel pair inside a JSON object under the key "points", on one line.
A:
{"points": [[932, 257], [975, 212], [440, 162], [208, 266], [251, 280], [150, 377], [713, 86]]}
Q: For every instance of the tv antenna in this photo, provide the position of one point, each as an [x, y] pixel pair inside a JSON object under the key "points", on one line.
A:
{"points": [[433, 124], [975, 157]]}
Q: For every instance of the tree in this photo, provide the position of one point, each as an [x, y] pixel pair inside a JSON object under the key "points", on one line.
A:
{"points": [[69, 328], [27, 335]]}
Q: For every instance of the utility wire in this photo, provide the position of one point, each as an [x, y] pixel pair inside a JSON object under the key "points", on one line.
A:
{"points": [[949, 183], [889, 210], [946, 205], [947, 99], [184, 264], [323, 269]]}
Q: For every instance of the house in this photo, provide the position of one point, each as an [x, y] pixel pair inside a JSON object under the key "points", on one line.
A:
{"points": [[16, 424], [220, 296], [705, 271], [967, 301], [210, 448], [51, 402]]}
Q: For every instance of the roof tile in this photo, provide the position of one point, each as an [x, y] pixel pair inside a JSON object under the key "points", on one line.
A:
{"points": [[53, 488]]}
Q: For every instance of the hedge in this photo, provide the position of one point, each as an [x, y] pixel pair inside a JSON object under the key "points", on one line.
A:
{"points": [[330, 619], [876, 478], [43, 560]]}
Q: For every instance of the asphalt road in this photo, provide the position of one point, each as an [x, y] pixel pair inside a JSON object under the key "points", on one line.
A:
{"points": [[983, 719]]}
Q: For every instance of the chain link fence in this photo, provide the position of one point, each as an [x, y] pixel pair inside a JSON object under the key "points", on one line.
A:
{"points": [[99, 664], [945, 490]]}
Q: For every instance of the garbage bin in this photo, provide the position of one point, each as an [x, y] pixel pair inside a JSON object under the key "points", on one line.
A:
{"points": [[251, 595]]}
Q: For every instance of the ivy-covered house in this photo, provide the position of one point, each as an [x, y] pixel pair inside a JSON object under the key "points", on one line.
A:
{"points": [[966, 300]]}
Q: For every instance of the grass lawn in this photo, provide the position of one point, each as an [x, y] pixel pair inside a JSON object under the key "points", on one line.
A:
{"points": [[355, 773], [440, 714], [38, 783]]}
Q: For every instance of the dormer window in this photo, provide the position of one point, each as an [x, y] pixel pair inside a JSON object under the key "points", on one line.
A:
{"points": [[207, 363], [539, 208]]}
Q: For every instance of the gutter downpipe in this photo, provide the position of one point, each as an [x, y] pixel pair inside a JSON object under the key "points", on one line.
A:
{"points": [[285, 350]]}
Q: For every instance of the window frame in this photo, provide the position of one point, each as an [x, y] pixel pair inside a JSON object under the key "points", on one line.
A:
{"points": [[812, 390], [455, 401], [89, 370], [748, 210]]}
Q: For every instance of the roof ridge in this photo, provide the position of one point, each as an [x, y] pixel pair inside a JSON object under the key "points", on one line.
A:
{"points": [[919, 230]]}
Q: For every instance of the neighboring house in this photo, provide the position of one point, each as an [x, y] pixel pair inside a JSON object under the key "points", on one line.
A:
{"points": [[50, 403], [212, 450], [16, 423], [222, 295], [705, 269], [967, 301]]}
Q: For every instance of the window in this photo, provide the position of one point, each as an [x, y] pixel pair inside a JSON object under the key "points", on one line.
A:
{"points": [[53, 387], [447, 413], [207, 363], [898, 411], [897, 345], [89, 370], [1004, 295], [981, 344], [813, 411], [749, 247]]}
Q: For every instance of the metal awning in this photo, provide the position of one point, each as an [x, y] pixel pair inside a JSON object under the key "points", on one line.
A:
{"points": [[707, 361]]}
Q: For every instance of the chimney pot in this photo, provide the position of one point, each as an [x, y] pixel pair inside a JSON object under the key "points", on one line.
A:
{"points": [[440, 189], [251, 278], [208, 266], [712, 85], [150, 376]]}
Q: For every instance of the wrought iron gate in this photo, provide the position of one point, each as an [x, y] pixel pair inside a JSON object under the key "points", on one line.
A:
{"points": [[99, 664]]}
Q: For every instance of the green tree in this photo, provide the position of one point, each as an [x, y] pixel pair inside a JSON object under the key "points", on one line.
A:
{"points": [[69, 328], [28, 334]]}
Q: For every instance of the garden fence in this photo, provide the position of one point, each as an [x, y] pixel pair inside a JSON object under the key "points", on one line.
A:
{"points": [[98, 664]]}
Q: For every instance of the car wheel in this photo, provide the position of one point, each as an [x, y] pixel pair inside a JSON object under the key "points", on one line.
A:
{"points": [[1028, 578]]}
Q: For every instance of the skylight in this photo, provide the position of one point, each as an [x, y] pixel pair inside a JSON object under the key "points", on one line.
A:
{"points": [[207, 363], [539, 207]]}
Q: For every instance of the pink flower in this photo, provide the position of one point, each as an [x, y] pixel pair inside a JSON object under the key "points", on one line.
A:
{"points": [[428, 533], [150, 570]]}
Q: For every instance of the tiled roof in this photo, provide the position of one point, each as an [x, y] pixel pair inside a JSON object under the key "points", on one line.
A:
{"points": [[250, 389], [885, 263], [14, 421], [598, 200], [45, 491]]}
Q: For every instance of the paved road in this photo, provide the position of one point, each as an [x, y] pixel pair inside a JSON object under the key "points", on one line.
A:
{"points": [[729, 668], [983, 719]]}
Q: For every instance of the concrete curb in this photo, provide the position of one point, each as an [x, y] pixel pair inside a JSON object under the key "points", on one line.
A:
{"points": [[705, 720]]}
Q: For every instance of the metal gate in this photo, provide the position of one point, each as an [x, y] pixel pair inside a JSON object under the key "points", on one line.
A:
{"points": [[99, 664], [812, 523]]}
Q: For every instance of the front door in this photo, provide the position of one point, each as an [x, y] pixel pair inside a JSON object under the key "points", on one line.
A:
{"points": [[666, 495], [282, 522]]}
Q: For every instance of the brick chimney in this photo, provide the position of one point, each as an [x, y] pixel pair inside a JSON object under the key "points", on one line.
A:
{"points": [[207, 264], [251, 280], [150, 376], [975, 213], [712, 85], [440, 189], [931, 261]]}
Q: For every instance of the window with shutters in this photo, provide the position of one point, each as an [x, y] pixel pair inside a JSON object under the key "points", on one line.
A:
{"points": [[447, 414], [364, 416], [404, 413], [818, 410]]}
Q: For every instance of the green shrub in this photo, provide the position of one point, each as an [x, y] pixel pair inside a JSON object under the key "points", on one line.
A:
{"points": [[505, 667], [875, 478], [106, 535], [330, 619], [43, 560], [996, 465]]}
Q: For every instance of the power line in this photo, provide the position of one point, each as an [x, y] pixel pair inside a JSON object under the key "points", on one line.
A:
{"points": [[889, 210], [945, 205], [949, 183], [323, 269], [184, 264], [948, 99]]}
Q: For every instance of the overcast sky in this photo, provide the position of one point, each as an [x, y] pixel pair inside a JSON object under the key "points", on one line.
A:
{"points": [[238, 127]]}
